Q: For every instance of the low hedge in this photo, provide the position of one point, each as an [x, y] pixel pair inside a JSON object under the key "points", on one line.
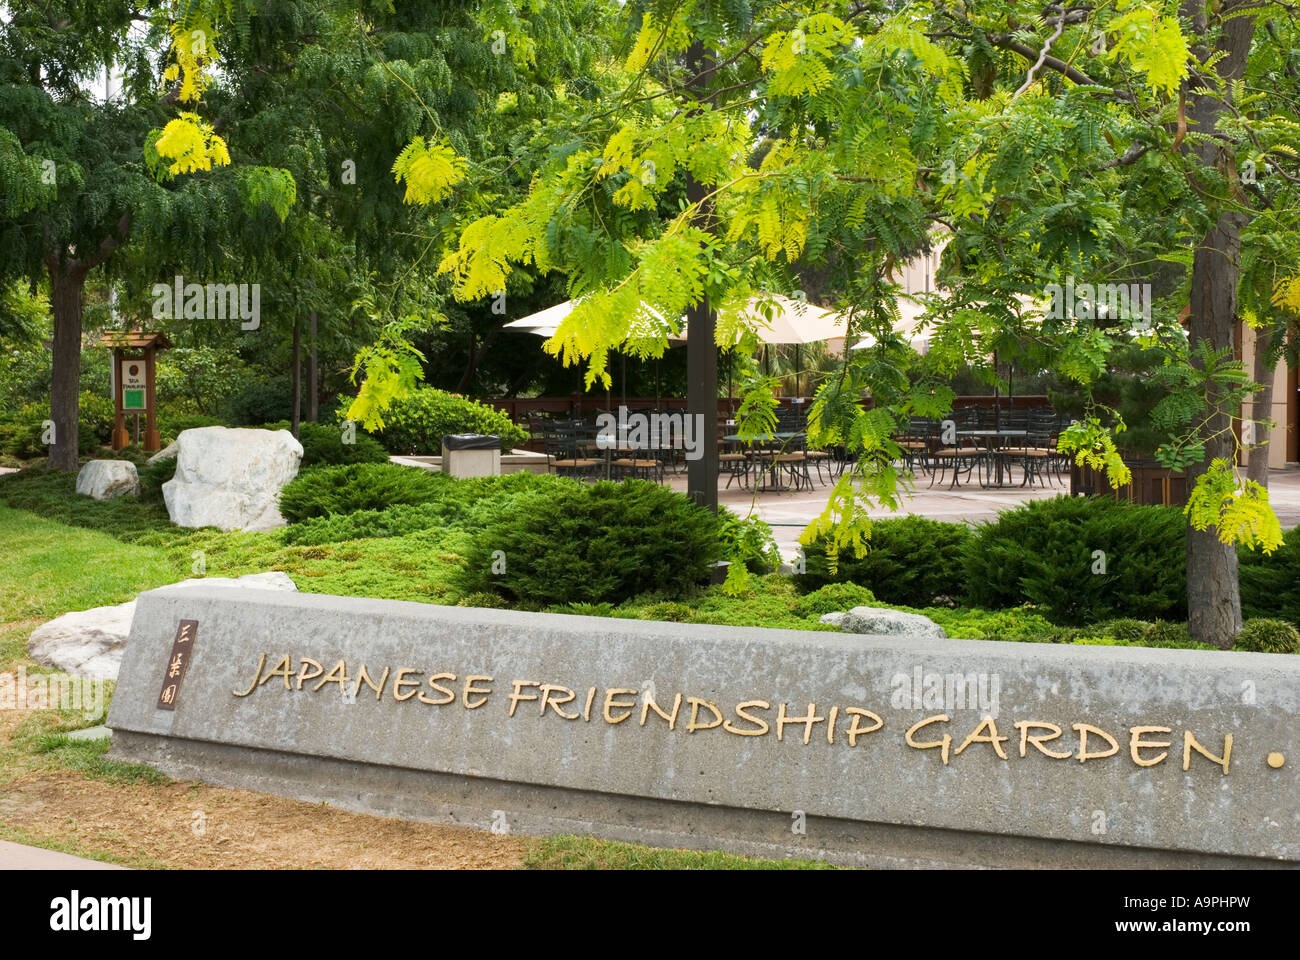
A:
{"points": [[1081, 560], [1263, 635], [912, 561], [1270, 583], [347, 488], [417, 423], [593, 543], [451, 504]]}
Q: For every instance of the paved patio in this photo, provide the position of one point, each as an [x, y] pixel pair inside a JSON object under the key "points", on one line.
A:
{"points": [[789, 513]]}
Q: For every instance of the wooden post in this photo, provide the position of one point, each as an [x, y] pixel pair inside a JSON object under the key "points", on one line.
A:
{"points": [[121, 438], [135, 349], [152, 442]]}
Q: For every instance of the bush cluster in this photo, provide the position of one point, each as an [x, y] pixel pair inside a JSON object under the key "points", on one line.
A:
{"points": [[416, 423], [1263, 635], [592, 543], [1081, 559], [347, 488], [910, 561], [22, 430], [1270, 583]]}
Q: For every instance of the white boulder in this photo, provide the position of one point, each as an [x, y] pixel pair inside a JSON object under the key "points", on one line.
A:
{"points": [[231, 478], [881, 620], [166, 453], [106, 479], [89, 643]]}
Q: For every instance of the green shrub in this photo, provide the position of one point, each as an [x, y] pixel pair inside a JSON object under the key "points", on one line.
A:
{"points": [[457, 505], [96, 416], [323, 446], [154, 475], [22, 431], [1123, 628], [748, 540], [417, 423], [578, 543], [326, 491], [1009, 625], [910, 561], [482, 599], [667, 610], [171, 425], [1262, 635], [1270, 584], [1044, 552], [259, 401], [395, 521], [1163, 633], [833, 597]]}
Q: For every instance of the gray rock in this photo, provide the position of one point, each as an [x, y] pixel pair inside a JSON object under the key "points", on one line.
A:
{"points": [[884, 622], [100, 732], [231, 479], [89, 643], [1028, 743], [106, 479]]}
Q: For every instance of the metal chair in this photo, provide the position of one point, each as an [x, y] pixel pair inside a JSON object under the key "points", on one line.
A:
{"points": [[1036, 454], [962, 457], [566, 453]]}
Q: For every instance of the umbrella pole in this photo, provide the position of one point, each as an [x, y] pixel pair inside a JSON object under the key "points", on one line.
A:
{"points": [[997, 401], [798, 373], [731, 392]]}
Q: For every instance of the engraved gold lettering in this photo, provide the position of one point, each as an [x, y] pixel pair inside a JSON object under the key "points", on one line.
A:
{"points": [[761, 725], [943, 744], [256, 676]]}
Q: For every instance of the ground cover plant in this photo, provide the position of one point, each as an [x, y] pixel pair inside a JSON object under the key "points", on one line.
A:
{"points": [[439, 549]]}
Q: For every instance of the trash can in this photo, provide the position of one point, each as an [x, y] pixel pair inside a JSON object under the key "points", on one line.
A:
{"points": [[471, 455]]}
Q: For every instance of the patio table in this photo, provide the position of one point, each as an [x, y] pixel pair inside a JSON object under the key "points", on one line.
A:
{"points": [[991, 440], [776, 441]]}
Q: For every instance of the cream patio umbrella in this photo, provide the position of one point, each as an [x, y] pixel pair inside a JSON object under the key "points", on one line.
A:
{"points": [[545, 323]]}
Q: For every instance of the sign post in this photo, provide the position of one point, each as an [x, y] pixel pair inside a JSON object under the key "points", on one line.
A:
{"points": [[134, 384]]}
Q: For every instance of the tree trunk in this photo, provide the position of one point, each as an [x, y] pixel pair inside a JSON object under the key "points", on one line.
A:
{"points": [[701, 321], [1261, 409], [296, 417], [477, 351], [702, 390], [313, 375], [1213, 597], [66, 286]]}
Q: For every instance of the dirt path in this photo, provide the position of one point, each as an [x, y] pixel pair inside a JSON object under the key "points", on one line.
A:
{"points": [[199, 826]]}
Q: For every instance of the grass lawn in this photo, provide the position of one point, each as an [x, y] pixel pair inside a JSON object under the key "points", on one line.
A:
{"points": [[65, 795], [48, 568], [63, 552]]}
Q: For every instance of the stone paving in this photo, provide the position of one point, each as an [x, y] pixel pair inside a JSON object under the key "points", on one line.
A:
{"points": [[789, 513], [16, 856]]}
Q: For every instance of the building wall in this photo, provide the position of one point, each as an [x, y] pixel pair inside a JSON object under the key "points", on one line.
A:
{"points": [[1282, 437]]}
